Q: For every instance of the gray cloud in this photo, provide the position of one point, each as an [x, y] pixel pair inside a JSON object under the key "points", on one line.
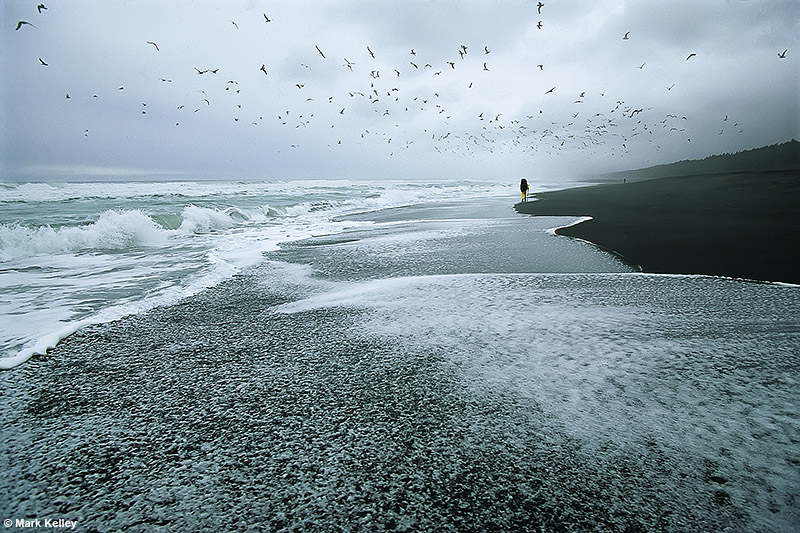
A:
{"points": [[486, 115]]}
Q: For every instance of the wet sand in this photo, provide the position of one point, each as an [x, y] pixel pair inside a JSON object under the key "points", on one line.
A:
{"points": [[739, 225]]}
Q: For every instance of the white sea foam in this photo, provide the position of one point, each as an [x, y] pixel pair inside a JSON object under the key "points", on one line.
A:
{"points": [[580, 220]]}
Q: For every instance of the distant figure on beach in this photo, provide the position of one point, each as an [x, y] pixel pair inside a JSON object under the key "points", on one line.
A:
{"points": [[523, 188]]}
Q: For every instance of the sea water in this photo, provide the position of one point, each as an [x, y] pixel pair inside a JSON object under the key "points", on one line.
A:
{"points": [[73, 254]]}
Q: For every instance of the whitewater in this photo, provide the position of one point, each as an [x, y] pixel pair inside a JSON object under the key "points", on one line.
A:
{"points": [[75, 254]]}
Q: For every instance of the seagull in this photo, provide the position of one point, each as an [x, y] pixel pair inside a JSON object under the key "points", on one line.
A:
{"points": [[690, 56], [783, 54], [641, 67], [625, 37], [263, 69], [22, 23], [370, 52], [670, 87], [539, 7], [414, 65], [485, 67], [485, 49], [266, 18], [551, 90], [452, 65], [539, 25], [154, 44], [320, 51], [541, 67], [42, 62], [234, 23]]}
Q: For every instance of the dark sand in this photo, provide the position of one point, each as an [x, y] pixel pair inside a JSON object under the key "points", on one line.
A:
{"points": [[739, 225]]}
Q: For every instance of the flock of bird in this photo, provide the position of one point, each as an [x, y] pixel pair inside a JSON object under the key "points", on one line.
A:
{"points": [[401, 103]]}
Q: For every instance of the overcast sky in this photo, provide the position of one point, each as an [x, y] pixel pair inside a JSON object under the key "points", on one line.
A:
{"points": [[462, 89]]}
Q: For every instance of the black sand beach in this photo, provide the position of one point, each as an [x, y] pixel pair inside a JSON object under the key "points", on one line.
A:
{"points": [[739, 225]]}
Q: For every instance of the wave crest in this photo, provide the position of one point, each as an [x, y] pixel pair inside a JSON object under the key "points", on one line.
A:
{"points": [[113, 230]]}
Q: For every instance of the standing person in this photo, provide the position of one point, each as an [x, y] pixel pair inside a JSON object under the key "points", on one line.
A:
{"points": [[523, 188]]}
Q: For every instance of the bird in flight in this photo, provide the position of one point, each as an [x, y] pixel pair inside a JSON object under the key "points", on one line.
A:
{"points": [[539, 24], [539, 7], [41, 7], [484, 67], [154, 44], [370, 52], [782, 55], [551, 90], [690, 56], [263, 69], [625, 37], [42, 62], [486, 50], [320, 51], [234, 23], [22, 23], [267, 18]]}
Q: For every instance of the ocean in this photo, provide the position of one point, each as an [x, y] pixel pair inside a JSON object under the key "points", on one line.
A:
{"points": [[355, 356]]}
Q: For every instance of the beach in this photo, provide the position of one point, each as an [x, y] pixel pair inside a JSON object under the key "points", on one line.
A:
{"points": [[430, 367], [739, 225]]}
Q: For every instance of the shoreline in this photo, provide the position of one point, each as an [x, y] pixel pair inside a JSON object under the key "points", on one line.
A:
{"points": [[741, 225]]}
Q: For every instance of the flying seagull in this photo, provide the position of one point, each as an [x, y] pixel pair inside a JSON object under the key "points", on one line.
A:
{"points": [[267, 18], [551, 90], [42, 62], [263, 68], [41, 7], [370, 52], [320, 51], [234, 23], [690, 56], [21, 23], [625, 38], [539, 7], [154, 44], [783, 54]]}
